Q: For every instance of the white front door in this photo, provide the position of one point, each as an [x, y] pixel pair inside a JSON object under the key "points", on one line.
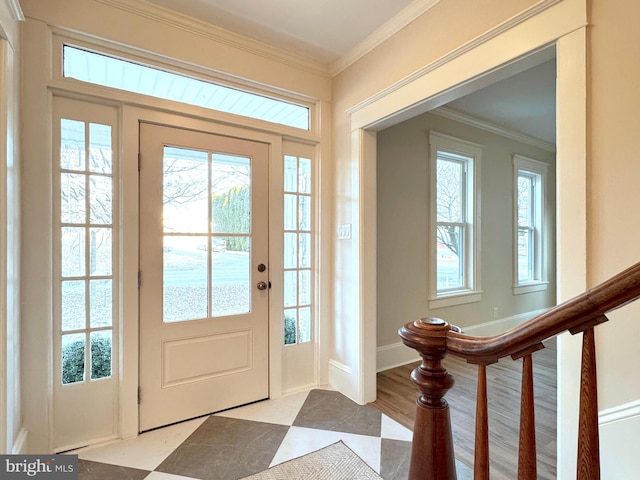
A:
{"points": [[203, 273]]}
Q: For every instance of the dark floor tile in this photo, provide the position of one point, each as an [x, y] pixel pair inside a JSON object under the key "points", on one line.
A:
{"points": [[395, 458], [225, 448], [329, 410], [88, 470]]}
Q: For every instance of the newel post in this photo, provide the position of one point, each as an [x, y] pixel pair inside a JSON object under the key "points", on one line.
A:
{"points": [[432, 455]]}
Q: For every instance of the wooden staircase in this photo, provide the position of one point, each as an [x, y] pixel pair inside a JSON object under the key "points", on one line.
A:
{"points": [[432, 451]]}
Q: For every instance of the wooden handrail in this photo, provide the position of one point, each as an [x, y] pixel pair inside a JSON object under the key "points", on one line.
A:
{"points": [[433, 338]]}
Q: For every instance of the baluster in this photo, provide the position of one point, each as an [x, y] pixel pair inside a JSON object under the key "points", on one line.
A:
{"points": [[481, 454], [432, 454], [588, 441], [527, 464]]}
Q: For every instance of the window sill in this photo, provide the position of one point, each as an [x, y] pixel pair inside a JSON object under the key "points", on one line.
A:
{"points": [[529, 287], [455, 298]]}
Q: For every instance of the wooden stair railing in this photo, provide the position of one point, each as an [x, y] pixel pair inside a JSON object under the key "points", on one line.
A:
{"points": [[432, 455]]}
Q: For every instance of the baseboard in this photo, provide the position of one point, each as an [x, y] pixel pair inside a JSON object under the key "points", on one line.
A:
{"points": [[397, 354], [495, 327], [619, 427], [394, 355], [341, 378], [20, 445]]}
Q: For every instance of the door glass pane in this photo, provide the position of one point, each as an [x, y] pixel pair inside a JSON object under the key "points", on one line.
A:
{"points": [[100, 303], [101, 194], [100, 252], [290, 326], [304, 253], [100, 354], [185, 278], [304, 212], [72, 251], [184, 191], [73, 354], [304, 287], [290, 174], [304, 176], [231, 194], [73, 305], [290, 212], [290, 250], [230, 276], [100, 154], [72, 198], [290, 288], [304, 325], [72, 145], [449, 257]]}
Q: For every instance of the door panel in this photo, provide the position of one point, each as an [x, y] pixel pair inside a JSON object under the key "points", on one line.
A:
{"points": [[203, 234]]}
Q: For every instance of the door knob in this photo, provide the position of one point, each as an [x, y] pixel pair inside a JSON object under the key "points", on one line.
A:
{"points": [[262, 285]]}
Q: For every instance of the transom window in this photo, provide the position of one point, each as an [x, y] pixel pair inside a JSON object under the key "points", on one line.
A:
{"points": [[108, 71], [454, 261]]}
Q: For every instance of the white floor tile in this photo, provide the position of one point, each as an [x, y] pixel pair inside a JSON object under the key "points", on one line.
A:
{"points": [[281, 411], [299, 441], [146, 451], [394, 431]]}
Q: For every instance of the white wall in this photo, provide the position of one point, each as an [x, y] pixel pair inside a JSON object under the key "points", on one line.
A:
{"points": [[11, 436], [403, 213]]}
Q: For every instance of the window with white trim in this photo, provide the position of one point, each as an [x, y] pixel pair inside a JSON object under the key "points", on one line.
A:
{"points": [[454, 239], [529, 202]]}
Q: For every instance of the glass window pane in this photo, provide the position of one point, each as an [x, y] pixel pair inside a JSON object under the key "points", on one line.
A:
{"points": [[185, 190], [100, 154], [231, 277], [290, 326], [290, 174], [290, 250], [304, 287], [304, 253], [304, 325], [72, 145], [290, 288], [449, 185], [73, 355], [525, 199], [112, 72], [72, 198], [101, 195], [100, 354], [100, 303], [290, 212], [184, 281], [73, 251], [304, 212], [100, 252], [73, 305], [449, 262], [231, 194], [525, 255], [304, 176]]}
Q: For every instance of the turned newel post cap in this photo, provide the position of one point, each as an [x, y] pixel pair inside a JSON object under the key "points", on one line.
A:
{"points": [[428, 332]]}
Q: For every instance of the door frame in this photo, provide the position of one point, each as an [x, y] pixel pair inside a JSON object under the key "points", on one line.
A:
{"points": [[130, 237]]}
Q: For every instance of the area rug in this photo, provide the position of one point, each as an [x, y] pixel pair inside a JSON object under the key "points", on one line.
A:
{"points": [[335, 462]]}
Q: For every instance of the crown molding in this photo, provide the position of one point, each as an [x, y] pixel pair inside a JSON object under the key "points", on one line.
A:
{"points": [[180, 21], [493, 128], [383, 33], [15, 9], [467, 47]]}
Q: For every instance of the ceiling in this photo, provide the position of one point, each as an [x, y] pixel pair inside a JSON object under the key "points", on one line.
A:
{"points": [[329, 30]]}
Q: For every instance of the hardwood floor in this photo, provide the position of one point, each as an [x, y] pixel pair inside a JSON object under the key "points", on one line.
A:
{"points": [[397, 397]]}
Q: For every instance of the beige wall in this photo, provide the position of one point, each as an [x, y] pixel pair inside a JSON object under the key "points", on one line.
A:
{"points": [[403, 202]]}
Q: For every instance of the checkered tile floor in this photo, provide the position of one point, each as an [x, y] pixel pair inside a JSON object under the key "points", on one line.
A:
{"points": [[247, 440]]}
